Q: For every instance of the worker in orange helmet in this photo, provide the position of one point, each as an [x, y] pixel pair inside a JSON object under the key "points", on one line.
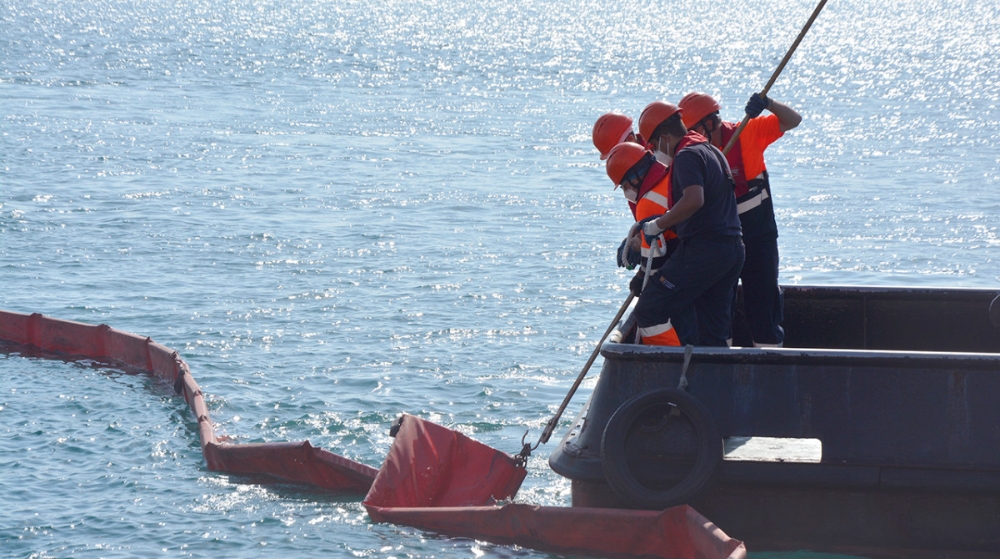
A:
{"points": [[694, 286], [762, 299], [644, 182], [610, 130], [652, 116]]}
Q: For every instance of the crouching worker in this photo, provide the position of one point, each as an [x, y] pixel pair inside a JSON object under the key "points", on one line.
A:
{"points": [[694, 286], [644, 182], [610, 130]]}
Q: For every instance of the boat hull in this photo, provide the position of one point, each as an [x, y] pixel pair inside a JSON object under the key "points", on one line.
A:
{"points": [[903, 443], [905, 524]]}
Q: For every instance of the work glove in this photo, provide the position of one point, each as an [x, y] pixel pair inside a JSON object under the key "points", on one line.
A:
{"points": [[756, 105], [628, 257], [635, 286], [651, 230]]}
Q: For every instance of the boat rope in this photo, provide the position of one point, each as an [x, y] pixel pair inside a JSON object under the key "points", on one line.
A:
{"points": [[647, 271], [683, 383]]}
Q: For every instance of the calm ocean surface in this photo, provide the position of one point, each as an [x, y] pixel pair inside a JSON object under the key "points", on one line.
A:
{"points": [[337, 211]]}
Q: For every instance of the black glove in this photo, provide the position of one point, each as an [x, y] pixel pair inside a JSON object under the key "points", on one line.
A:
{"points": [[620, 254], [627, 257], [635, 286], [756, 105]]}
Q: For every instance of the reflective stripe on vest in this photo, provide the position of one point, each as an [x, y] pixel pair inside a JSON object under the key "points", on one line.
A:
{"points": [[659, 334], [658, 250], [655, 202], [658, 198]]}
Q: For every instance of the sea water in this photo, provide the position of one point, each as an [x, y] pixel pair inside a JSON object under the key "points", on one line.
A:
{"points": [[338, 211]]}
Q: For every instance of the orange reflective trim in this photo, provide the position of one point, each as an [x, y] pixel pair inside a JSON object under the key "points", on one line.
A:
{"points": [[659, 334], [654, 203]]}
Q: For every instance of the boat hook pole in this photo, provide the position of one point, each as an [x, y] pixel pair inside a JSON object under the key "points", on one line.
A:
{"points": [[526, 448], [774, 76]]}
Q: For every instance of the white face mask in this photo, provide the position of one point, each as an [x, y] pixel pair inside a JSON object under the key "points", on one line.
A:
{"points": [[631, 194], [663, 158]]}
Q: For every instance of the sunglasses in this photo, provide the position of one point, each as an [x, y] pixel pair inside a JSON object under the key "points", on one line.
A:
{"points": [[631, 180]]}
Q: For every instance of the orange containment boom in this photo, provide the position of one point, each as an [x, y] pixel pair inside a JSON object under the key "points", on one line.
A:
{"points": [[433, 466], [675, 533], [297, 462], [434, 478], [438, 480]]}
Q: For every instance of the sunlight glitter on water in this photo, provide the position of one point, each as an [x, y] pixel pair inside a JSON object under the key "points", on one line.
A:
{"points": [[338, 211]]}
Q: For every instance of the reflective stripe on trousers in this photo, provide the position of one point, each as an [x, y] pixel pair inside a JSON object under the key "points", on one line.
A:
{"points": [[659, 334]]}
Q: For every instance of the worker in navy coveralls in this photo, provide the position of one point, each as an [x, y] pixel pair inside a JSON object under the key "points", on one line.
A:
{"points": [[694, 287], [762, 299]]}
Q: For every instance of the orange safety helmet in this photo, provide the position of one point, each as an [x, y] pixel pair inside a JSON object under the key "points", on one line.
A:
{"points": [[654, 115], [610, 130], [623, 157], [696, 106]]}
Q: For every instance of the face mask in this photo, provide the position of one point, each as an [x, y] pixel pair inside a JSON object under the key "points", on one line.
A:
{"points": [[631, 195], [663, 158]]}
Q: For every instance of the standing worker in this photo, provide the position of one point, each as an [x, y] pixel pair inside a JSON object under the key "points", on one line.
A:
{"points": [[644, 181], [762, 299], [694, 286]]}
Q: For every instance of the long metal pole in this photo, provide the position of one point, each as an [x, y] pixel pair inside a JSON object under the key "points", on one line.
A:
{"points": [[551, 425], [774, 76]]}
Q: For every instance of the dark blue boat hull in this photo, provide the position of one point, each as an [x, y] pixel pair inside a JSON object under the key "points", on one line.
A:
{"points": [[898, 386]]}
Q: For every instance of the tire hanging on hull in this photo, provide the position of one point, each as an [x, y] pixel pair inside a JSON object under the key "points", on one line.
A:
{"points": [[647, 414]]}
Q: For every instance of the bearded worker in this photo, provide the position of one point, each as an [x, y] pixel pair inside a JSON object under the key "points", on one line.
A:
{"points": [[693, 288], [762, 300]]}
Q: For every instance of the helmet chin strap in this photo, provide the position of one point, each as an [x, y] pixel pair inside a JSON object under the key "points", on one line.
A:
{"points": [[708, 125], [670, 146]]}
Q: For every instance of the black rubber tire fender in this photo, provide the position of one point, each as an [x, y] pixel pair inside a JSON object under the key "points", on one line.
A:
{"points": [[615, 464]]}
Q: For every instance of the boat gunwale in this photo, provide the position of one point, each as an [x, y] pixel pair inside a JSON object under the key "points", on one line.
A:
{"points": [[613, 348], [803, 356]]}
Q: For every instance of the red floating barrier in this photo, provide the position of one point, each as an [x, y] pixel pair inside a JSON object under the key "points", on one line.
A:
{"points": [[298, 462], [434, 478], [437, 479], [675, 533], [433, 466]]}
